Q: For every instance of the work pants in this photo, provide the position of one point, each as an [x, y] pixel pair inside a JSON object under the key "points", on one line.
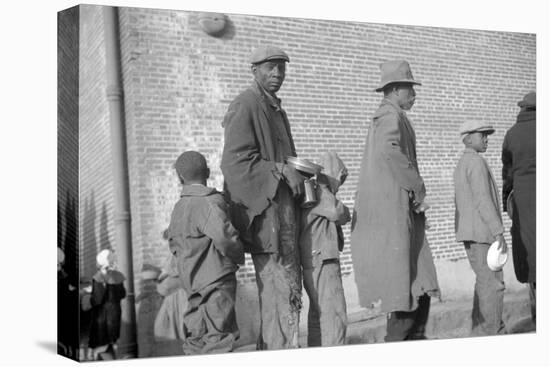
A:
{"points": [[326, 318], [488, 292]]}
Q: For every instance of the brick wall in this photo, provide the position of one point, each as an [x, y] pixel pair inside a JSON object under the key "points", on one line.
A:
{"points": [[178, 82], [96, 185], [67, 138]]}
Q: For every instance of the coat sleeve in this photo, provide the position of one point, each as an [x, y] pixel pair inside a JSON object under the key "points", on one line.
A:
{"points": [[224, 236], [250, 178], [507, 176], [388, 137], [478, 176], [331, 208]]}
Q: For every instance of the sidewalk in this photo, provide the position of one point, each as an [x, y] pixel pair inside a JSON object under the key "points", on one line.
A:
{"points": [[448, 319]]}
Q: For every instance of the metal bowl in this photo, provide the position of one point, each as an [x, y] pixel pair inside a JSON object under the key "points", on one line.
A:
{"points": [[304, 165]]}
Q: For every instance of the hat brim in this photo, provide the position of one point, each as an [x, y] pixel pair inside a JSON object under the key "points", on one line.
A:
{"points": [[271, 58], [407, 81], [483, 130]]}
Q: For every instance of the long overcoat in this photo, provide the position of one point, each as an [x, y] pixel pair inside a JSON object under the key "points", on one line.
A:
{"points": [[519, 173], [392, 260]]}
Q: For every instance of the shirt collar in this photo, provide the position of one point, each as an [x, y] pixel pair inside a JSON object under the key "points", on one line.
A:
{"points": [[470, 150], [271, 98], [197, 190]]}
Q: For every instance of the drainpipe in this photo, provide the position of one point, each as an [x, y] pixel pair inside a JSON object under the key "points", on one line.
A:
{"points": [[127, 345]]}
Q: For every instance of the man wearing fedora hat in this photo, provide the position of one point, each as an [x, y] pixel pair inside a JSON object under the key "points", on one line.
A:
{"points": [[262, 191], [392, 260], [519, 173], [478, 224]]}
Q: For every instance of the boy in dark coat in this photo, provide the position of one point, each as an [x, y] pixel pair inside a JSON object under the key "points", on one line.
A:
{"points": [[207, 250], [321, 240]]}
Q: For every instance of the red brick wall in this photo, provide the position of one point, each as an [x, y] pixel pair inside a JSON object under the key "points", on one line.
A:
{"points": [[178, 82]]}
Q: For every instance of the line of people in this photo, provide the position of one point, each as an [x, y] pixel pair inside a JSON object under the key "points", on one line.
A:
{"points": [[259, 213]]}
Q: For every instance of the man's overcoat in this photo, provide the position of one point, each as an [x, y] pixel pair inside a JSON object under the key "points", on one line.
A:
{"points": [[392, 260]]}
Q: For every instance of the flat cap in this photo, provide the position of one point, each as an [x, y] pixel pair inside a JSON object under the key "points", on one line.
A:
{"points": [[472, 126], [529, 100], [266, 53]]}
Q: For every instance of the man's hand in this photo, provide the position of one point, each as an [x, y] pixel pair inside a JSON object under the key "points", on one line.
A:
{"points": [[502, 247], [294, 179]]}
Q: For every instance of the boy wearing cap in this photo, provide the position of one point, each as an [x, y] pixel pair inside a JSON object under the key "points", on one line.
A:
{"points": [[262, 190], [207, 250], [321, 239], [478, 224]]}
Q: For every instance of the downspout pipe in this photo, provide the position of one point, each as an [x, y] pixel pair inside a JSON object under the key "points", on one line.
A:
{"points": [[127, 344]]}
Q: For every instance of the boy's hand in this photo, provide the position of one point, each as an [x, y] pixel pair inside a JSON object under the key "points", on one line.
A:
{"points": [[294, 179], [502, 245]]}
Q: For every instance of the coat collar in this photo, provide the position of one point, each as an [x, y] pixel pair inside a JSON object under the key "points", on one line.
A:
{"points": [[197, 190]]}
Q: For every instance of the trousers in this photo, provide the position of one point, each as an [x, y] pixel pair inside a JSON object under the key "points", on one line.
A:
{"points": [[409, 325], [326, 318], [488, 292], [210, 323]]}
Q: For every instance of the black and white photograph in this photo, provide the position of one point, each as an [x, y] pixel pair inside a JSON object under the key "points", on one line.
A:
{"points": [[236, 185]]}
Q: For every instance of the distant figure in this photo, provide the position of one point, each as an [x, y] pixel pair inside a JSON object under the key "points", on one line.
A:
{"points": [[67, 311], [107, 292], [519, 173], [478, 224], [392, 260], [207, 250], [321, 239]]}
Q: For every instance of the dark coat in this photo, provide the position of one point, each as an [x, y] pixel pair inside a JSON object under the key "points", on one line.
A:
{"points": [[392, 260], [107, 292], [519, 174], [249, 165]]}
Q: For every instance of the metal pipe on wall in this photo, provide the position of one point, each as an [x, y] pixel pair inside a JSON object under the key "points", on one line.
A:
{"points": [[127, 344]]}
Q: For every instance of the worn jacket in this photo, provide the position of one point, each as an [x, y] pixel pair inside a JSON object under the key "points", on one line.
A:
{"points": [[477, 203], [321, 236], [519, 173], [257, 141], [392, 260], [204, 241]]}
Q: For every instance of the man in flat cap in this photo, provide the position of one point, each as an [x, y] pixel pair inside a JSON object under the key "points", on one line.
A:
{"points": [[392, 260], [478, 224], [519, 173], [262, 191]]}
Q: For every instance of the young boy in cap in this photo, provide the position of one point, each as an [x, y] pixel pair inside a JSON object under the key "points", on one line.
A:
{"points": [[478, 224], [321, 239], [207, 250]]}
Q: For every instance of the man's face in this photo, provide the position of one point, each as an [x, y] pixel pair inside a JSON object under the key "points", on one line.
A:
{"points": [[479, 141], [270, 74], [405, 96]]}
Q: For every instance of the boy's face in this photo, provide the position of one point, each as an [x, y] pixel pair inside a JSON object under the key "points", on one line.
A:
{"points": [[479, 141]]}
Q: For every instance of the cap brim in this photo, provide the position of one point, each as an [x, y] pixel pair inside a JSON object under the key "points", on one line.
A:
{"points": [[381, 87], [488, 131]]}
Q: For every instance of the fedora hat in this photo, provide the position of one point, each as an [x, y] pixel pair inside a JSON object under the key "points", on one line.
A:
{"points": [[395, 71], [474, 126]]}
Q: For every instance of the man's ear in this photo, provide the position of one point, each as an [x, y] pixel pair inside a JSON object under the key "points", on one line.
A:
{"points": [[181, 179], [253, 68], [207, 172]]}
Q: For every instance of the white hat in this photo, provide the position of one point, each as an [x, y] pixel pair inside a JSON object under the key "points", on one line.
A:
{"points": [[105, 258], [60, 256], [496, 258]]}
